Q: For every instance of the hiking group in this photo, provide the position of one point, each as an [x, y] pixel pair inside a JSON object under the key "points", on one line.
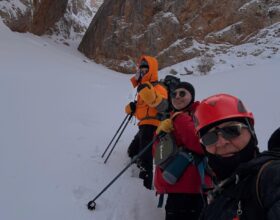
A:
{"points": [[205, 155]]}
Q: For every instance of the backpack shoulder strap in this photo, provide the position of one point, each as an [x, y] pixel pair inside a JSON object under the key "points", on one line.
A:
{"points": [[159, 83], [258, 180], [175, 115], [155, 83], [201, 170]]}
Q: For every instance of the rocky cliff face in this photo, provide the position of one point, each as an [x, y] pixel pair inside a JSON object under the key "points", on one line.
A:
{"points": [[67, 19], [16, 14], [74, 23], [122, 30], [45, 13], [35, 16]]}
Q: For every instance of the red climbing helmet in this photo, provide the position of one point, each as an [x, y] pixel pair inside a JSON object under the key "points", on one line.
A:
{"points": [[220, 107]]}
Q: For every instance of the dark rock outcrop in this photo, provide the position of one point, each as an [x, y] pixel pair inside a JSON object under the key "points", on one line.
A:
{"points": [[45, 14]]}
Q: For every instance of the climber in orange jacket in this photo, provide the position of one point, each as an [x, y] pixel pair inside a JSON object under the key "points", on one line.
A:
{"points": [[151, 101]]}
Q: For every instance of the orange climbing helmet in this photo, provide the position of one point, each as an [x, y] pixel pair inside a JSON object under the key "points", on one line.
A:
{"points": [[220, 107]]}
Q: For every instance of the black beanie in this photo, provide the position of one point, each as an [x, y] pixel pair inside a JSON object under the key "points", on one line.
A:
{"points": [[274, 141], [188, 87]]}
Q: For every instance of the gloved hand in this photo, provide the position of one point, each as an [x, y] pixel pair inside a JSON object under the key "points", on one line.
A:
{"points": [[130, 108], [147, 179], [165, 126], [147, 92], [146, 173]]}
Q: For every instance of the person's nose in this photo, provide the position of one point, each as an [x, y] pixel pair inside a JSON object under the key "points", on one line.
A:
{"points": [[221, 142]]}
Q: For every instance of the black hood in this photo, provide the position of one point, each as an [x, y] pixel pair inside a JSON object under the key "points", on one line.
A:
{"points": [[257, 162]]}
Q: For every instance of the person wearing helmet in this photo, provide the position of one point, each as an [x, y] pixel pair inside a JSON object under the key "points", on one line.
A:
{"points": [[151, 100], [185, 196], [248, 181]]}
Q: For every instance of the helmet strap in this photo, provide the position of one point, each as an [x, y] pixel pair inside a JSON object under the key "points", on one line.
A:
{"points": [[252, 131]]}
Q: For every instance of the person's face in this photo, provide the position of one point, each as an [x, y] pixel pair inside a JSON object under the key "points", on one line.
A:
{"points": [[144, 71], [226, 139], [180, 98]]}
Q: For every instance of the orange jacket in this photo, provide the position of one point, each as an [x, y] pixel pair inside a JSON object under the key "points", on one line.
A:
{"points": [[144, 113]]}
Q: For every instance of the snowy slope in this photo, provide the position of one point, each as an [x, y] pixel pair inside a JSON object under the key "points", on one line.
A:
{"points": [[59, 111], [262, 47]]}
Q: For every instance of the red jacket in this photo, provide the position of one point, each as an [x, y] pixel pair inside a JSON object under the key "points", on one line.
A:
{"points": [[190, 182]]}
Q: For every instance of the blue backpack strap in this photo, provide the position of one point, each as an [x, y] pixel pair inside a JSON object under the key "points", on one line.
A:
{"points": [[201, 169]]}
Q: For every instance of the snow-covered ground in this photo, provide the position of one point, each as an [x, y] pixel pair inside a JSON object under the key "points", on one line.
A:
{"points": [[58, 113]]}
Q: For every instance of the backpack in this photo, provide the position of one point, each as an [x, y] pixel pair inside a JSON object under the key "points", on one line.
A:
{"points": [[174, 160], [239, 195], [165, 150], [170, 82]]}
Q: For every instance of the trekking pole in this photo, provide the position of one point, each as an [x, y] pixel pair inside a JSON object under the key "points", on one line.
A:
{"points": [[114, 136], [131, 115], [91, 204]]}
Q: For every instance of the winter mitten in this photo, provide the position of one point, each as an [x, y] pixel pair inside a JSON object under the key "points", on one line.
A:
{"points": [[165, 126], [130, 108], [148, 94]]}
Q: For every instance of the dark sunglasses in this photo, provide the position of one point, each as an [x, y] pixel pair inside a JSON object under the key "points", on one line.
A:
{"points": [[174, 94], [228, 132]]}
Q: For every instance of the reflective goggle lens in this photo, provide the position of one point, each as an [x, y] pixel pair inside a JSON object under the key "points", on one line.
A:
{"points": [[228, 132]]}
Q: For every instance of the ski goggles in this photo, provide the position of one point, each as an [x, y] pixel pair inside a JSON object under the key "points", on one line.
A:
{"points": [[181, 93], [228, 132]]}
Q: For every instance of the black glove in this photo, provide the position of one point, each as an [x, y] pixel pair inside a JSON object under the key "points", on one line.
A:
{"points": [[132, 107], [147, 177], [145, 174]]}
